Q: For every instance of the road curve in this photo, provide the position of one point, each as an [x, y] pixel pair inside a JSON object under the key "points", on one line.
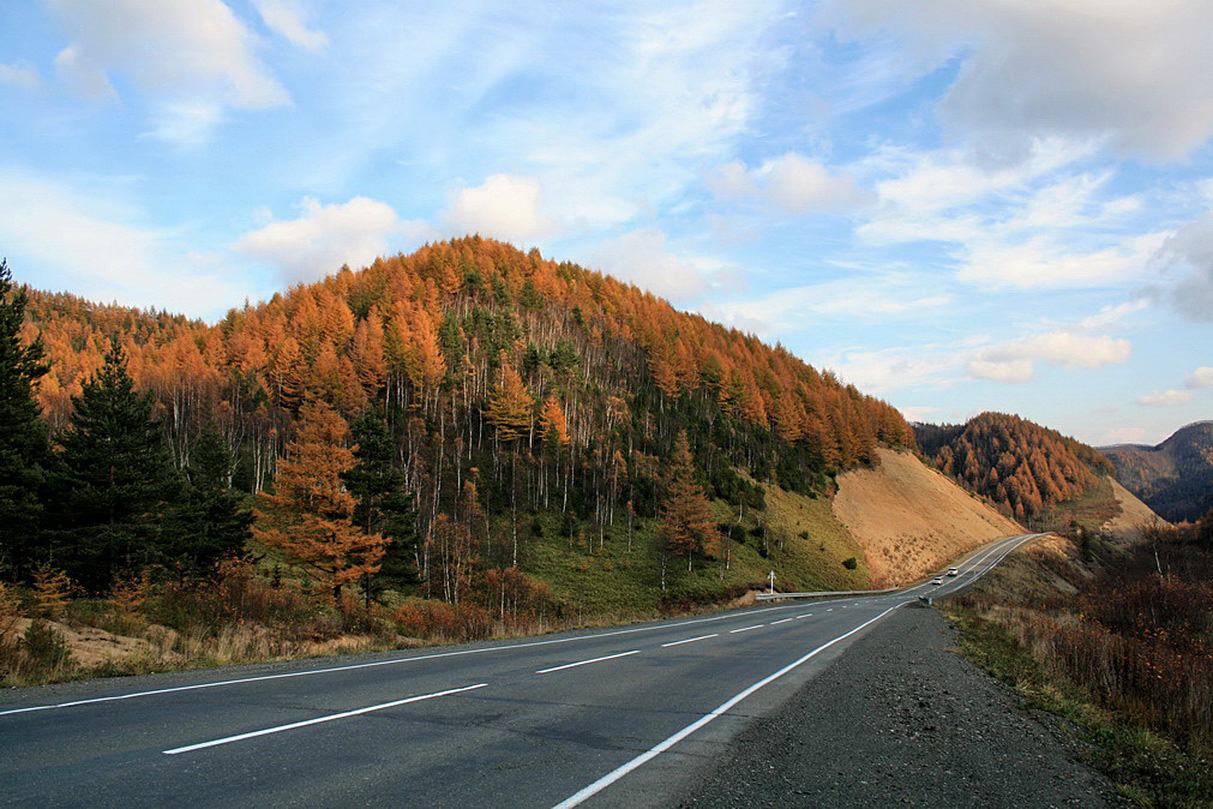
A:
{"points": [[607, 717]]}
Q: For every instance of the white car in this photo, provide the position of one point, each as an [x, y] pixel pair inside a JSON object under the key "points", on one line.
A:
{"points": [[937, 580], [952, 571]]}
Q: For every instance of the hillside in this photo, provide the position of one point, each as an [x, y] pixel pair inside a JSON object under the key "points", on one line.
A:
{"points": [[517, 413], [1174, 478], [910, 519], [1027, 471]]}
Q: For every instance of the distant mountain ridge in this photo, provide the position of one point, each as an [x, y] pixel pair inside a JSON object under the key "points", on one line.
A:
{"points": [[1175, 478]]}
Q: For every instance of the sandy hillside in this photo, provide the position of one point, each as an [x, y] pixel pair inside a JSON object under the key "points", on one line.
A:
{"points": [[911, 520], [1134, 515]]}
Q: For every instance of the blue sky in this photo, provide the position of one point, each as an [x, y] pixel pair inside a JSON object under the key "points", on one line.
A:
{"points": [[957, 205]]}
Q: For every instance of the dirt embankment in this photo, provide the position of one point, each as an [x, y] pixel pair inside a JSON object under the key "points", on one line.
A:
{"points": [[911, 520], [1134, 517]]}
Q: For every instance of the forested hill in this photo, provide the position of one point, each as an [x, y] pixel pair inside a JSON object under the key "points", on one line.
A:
{"points": [[551, 389], [1023, 468], [1174, 478]]}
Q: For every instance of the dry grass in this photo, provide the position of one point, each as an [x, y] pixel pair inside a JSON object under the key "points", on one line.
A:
{"points": [[1132, 634]]}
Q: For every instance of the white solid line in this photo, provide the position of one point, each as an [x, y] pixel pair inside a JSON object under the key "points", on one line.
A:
{"points": [[613, 776], [318, 720], [689, 640], [391, 662], [745, 629], [806, 615], [781, 621], [587, 662]]}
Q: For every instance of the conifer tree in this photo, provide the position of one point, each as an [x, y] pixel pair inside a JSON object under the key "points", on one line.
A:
{"points": [[24, 450], [510, 404], [686, 522], [211, 523], [116, 481], [310, 514], [382, 505]]}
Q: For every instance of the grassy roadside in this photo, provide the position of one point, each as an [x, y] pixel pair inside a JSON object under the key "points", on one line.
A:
{"points": [[1151, 767]]}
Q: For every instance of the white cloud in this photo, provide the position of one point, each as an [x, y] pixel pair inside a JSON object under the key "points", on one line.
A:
{"points": [[1047, 262], [504, 207], [184, 54], [880, 371], [1014, 361], [1124, 435], [878, 297], [1166, 398], [918, 414], [1200, 378], [1078, 68], [20, 75], [792, 182], [1111, 316], [1008, 369], [643, 258], [60, 237], [326, 236], [287, 18], [1030, 225]]}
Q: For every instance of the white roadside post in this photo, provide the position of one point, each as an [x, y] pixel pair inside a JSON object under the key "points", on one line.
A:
{"points": [[771, 576]]}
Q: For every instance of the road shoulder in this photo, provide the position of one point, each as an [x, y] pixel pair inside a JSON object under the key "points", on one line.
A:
{"points": [[901, 718]]}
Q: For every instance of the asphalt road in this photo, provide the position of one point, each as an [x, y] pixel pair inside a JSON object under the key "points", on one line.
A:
{"points": [[614, 717]]}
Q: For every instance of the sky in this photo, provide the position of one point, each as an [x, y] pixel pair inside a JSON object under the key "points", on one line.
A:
{"points": [[956, 205]]}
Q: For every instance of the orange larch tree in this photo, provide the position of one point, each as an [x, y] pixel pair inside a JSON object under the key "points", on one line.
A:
{"points": [[686, 522], [310, 514]]}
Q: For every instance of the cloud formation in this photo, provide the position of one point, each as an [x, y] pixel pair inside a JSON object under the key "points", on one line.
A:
{"points": [[504, 206], [1190, 253], [1015, 361], [1200, 378], [1165, 398], [792, 183], [105, 252], [1130, 71], [194, 58], [324, 237], [643, 257]]}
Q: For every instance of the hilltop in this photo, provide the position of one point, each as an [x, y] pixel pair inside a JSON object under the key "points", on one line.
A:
{"points": [[1175, 478], [1032, 473]]}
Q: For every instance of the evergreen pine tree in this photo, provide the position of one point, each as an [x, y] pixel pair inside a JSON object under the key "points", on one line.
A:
{"points": [[211, 523], [24, 449], [116, 481], [382, 504]]}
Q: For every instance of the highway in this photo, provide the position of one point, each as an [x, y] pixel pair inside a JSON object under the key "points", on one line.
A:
{"points": [[607, 717]]}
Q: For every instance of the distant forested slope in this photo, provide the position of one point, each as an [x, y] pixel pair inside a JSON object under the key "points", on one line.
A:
{"points": [[1174, 478], [1021, 467]]}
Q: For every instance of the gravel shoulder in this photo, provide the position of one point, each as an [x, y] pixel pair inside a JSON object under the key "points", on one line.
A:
{"points": [[901, 718]]}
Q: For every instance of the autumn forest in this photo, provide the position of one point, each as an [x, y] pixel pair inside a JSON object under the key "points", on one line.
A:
{"points": [[413, 427]]}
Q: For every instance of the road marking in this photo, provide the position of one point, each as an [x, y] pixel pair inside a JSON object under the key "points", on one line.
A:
{"points": [[619, 772], [587, 662], [806, 615], [781, 621], [831, 609], [332, 717], [745, 629], [689, 640]]}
